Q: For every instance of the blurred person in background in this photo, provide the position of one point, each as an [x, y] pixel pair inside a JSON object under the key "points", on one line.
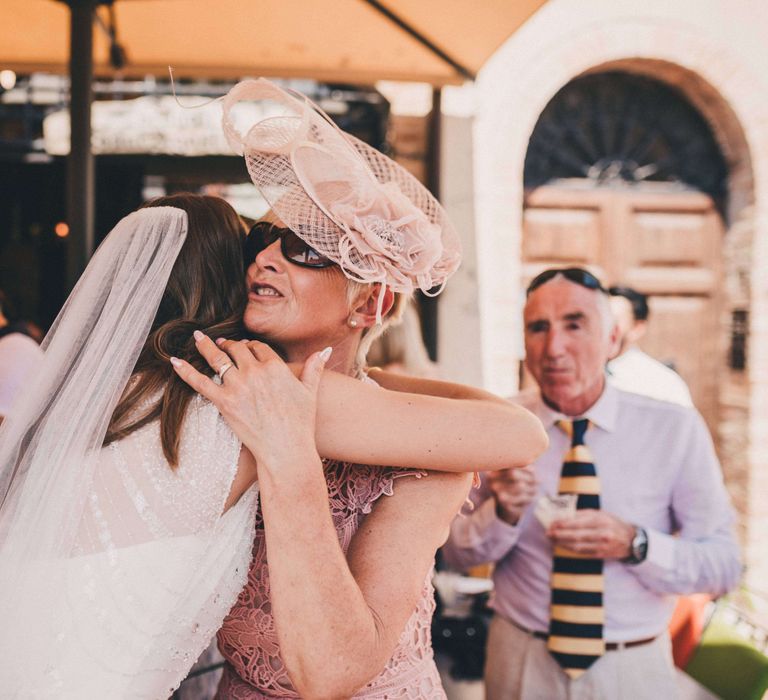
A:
{"points": [[626, 509], [20, 355], [632, 369]]}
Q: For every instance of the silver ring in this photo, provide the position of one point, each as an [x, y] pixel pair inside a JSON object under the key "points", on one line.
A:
{"points": [[224, 369]]}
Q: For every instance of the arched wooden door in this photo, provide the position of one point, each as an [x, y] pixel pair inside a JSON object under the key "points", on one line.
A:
{"points": [[658, 239]]}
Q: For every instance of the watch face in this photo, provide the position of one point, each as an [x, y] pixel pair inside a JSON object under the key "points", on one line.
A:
{"points": [[638, 549], [640, 545]]}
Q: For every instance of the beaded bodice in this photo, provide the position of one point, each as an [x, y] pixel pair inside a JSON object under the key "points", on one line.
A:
{"points": [[248, 639], [155, 568]]}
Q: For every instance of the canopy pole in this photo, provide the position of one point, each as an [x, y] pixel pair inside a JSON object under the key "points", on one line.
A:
{"points": [[428, 306], [80, 167]]}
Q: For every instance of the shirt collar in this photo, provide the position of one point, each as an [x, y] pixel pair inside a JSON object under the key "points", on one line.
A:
{"points": [[603, 413]]}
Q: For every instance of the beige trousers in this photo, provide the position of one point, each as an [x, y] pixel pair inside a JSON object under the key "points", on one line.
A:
{"points": [[519, 667]]}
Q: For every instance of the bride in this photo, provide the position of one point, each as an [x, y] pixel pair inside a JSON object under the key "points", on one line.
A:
{"points": [[127, 505]]}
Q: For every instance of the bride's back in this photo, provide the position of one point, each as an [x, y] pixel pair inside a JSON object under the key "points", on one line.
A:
{"points": [[153, 566], [155, 570], [137, 496]]}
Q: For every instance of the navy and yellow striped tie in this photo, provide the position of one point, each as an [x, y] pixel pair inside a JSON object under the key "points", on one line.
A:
{"points": [[576, 614]]}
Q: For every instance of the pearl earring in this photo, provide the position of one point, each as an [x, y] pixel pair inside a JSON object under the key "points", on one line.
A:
{"points": [[352, 323]]}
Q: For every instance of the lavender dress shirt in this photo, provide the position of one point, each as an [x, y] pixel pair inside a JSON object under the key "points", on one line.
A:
{"points": [[658, 470]]}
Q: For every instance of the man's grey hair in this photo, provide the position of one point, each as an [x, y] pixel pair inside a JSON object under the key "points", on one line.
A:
{"points": [[607, 319]]}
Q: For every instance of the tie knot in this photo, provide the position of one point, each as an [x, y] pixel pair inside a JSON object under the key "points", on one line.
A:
{"points": [[575, 430], [579, 429]]}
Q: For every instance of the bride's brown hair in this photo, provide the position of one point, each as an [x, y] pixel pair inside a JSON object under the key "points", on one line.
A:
{"points": [[206, 291]]}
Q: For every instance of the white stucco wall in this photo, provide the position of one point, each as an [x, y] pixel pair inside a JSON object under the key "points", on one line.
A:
{"points": [[459, 350]]}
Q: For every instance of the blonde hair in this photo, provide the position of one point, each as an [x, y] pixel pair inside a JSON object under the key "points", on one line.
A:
{"points": [[356, 290]]}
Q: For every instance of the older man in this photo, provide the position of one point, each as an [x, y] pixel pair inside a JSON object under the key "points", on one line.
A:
{"points": [[582, 600]]}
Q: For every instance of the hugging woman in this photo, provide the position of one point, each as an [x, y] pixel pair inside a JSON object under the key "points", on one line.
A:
{"points": [[339, 599]]}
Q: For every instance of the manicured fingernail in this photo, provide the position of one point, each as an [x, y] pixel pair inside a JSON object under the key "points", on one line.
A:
{"points": [[198, 335], [220, 341], [325, 354], [176, 362]]}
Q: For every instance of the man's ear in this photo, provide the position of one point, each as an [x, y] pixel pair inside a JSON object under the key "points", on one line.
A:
{"points": [[614, 341], [365, 310]]}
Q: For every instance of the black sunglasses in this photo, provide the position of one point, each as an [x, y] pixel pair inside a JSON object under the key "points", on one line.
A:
{"points": [[263, 234], [578, 275]]}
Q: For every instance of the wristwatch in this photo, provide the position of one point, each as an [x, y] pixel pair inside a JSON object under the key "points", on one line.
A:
{"points": [[638, 549]]}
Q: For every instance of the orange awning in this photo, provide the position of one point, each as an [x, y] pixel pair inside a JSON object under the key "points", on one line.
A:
{"points": [[330, 40]]}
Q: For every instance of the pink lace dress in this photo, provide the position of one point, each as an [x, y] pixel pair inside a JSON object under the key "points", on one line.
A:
{"points": [[248, 640]]}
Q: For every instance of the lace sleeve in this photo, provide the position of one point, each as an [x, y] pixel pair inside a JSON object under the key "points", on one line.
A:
{"points": [[381, 482]]}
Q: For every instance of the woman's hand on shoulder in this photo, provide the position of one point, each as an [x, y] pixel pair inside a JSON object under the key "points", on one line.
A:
{"points": [[270, 410]]}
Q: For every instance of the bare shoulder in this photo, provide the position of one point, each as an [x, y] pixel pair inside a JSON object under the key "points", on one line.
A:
{"points": [[435, 497]]}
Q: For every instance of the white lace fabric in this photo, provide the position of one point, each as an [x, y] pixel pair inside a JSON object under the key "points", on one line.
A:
{"points": [[248, 638], [154, 570]]}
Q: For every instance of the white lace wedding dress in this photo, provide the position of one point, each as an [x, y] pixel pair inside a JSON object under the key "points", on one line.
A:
{"points": [[156, 567]]}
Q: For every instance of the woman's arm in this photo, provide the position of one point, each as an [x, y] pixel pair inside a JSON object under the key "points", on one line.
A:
{"points": [[360, 422], [352, 610], [394, 381]]}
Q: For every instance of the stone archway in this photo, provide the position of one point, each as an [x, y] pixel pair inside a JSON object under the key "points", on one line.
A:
{"points": [[564, 41]]}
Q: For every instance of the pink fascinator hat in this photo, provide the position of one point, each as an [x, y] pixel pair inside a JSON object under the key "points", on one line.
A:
{"points": [[349, 202]]}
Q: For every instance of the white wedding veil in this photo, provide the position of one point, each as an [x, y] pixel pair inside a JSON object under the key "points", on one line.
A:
{"points": [[49, 439], [116, 570]]}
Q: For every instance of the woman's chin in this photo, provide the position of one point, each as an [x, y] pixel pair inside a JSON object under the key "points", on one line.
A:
{"points": [[258, 318]]}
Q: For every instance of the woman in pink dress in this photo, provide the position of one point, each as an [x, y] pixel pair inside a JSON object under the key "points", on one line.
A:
{"points": [[338, 601]]}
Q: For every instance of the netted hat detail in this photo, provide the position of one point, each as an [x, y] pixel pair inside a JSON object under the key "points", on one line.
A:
{"points": [[349, 202]]}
